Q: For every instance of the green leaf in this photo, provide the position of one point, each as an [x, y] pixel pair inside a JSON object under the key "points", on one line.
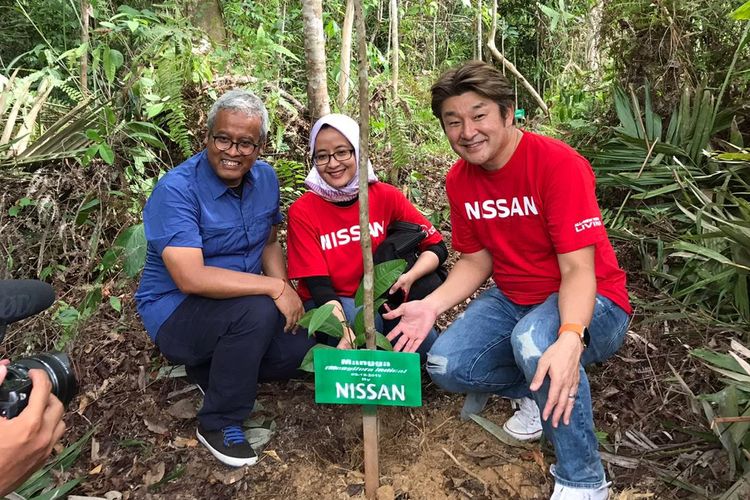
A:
{"points": [[106, 153], [308, 362], [742, 13], [304, 321], [717, 359], [383, 342], [697, 250], [154, 109], [625, 114], [284, 51], [109, 65], [385, 275], [90, 204], [131, 245], [115, 303], [319, 317]]}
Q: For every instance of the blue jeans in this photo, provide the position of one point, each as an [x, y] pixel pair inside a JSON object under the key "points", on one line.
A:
{"points": [[383, 326], [495, 345]]}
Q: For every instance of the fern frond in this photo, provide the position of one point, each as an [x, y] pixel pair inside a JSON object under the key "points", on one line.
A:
{"points": [[400, 144]]}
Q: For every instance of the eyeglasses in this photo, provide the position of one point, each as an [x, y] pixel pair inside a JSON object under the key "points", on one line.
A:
{"points": [[321, 159], [245, 148]]}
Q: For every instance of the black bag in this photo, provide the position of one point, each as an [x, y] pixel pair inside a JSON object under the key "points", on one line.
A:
{"points": [[402, 242]]}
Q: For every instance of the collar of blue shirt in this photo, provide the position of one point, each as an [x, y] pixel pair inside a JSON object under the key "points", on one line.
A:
{"points": [[216, 186]]}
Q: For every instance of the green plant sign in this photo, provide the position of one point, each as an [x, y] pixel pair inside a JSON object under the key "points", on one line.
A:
{"points": [[367, 377]]}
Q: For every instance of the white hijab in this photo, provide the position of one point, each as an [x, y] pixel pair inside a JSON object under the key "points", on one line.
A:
{"points": [[315, 183]]}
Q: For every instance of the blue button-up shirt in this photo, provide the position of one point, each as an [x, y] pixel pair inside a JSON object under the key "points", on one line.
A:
{"points": [[191, 207]]}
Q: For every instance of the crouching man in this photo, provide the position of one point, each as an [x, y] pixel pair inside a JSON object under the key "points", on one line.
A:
{"points": [[214, 295], [524, 211]]}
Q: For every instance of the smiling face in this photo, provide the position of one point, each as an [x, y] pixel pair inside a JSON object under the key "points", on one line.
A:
{"points": [[336, 173], [230, 166], [477, 131]]}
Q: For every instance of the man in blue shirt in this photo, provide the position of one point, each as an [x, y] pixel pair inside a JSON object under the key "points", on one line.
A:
{"points": [[214, 295]]}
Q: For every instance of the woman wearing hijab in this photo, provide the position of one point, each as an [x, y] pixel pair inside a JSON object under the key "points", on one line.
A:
{"points": [[323, 248]]}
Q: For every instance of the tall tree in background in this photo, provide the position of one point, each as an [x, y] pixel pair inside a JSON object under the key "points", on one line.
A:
{"points": [[394, 47], [346, 55], [509, 65], [315, 59], [207, 16], [85, 14], [480, 38]]}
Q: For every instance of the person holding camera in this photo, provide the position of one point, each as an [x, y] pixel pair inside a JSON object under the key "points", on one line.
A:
{"points": [[27, 440], [214, 294]]}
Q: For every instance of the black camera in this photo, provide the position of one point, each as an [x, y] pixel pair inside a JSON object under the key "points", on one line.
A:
{"points": [[16, 388], [20, 299]]}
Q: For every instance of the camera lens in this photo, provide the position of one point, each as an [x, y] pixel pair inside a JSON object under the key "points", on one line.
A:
{"points": [[59, 368]]}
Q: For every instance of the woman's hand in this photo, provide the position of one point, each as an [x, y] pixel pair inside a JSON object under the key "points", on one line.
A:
{"points": [[347, 340], [403, 283]]}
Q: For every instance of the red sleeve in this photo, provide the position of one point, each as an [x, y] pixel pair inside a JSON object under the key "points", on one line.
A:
{"points": [[571, 210], [405, 211], [463, 239], [304, 254]]}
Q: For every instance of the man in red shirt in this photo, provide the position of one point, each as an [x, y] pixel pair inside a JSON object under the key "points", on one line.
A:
{"points": [[524, 211]]}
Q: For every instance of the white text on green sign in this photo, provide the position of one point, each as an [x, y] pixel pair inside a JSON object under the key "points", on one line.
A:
{"points": [[367, 377]]}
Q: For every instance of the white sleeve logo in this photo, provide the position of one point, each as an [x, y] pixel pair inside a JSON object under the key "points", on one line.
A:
{"points": [[587, 224]]}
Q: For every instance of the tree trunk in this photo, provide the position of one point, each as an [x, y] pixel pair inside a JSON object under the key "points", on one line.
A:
{"points": [[394, 48], [593, 56], [207, 15], [434, 37], [346, 55], [85, 14], [480, 40], [315, 56], [369, 412], [511, 67]]}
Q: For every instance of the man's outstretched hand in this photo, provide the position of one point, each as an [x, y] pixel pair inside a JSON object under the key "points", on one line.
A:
{"points": [[417, 318], [27, 440]]}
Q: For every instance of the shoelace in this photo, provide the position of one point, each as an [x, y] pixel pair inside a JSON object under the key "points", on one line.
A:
{"points": [[233, 435]]}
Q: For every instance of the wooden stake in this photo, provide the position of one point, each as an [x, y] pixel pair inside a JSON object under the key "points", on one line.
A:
{"points": [[371, 438], [369, 413]]}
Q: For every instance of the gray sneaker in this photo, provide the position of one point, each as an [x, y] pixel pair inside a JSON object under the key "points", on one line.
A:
{"points": [[474, 404]]}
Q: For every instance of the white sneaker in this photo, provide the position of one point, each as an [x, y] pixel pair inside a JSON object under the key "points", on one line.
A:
{"points": [[569, 493], [526, 422]]}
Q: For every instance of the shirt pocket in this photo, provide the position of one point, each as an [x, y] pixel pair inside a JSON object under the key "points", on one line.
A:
{"points": [[258, 227], [222, 240]]}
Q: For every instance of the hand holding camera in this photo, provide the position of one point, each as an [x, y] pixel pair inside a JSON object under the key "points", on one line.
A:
{"points": [[27, 440], [32, 390]]}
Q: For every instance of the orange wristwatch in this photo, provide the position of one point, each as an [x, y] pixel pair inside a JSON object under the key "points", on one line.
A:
{"points": [[581, 330]]}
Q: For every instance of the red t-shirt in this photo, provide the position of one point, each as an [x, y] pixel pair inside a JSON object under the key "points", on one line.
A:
{"points": [[540, 204], [323, 238]]}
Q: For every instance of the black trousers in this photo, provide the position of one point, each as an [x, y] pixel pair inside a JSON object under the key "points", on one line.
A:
{"points": [[227, 347]]}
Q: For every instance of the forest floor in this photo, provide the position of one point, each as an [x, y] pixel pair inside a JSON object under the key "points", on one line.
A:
{"points": [[143, 445]]}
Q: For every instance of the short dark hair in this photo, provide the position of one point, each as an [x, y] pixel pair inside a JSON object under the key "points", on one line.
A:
{"points": [[473, 76]]}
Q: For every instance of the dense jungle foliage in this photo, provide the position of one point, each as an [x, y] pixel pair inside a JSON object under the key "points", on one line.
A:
{"points": [[99, 98]]}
